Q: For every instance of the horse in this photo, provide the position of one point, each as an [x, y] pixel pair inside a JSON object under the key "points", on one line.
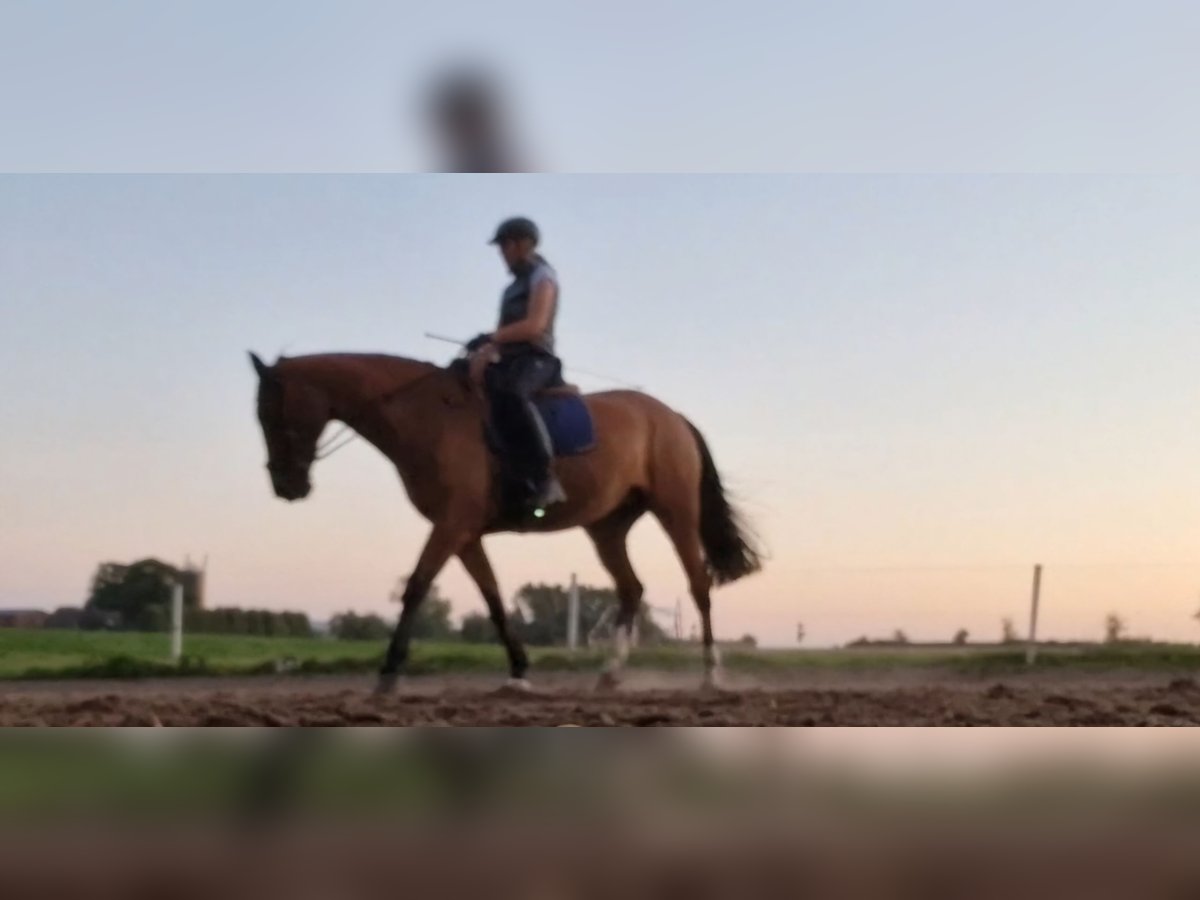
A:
{"points": [[428, 420]]}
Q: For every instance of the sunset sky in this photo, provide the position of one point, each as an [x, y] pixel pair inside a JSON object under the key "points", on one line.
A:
{"points": [[919, 386]]}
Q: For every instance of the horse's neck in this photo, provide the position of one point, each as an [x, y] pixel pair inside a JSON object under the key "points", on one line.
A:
{"points": [[353, 382], [392, 402]]}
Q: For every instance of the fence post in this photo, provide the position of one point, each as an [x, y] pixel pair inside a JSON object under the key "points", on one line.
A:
{"points": [[1031, 646], [573, 614], [176, 622]]}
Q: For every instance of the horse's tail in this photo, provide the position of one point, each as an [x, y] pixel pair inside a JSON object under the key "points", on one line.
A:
{"points": [[728, 545]]}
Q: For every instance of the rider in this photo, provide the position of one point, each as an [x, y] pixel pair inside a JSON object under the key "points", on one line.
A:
{"points": [[517, 360]]}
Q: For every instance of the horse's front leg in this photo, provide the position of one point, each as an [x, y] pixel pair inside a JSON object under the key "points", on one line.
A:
{"points": [[448, 537], [476, 562]]}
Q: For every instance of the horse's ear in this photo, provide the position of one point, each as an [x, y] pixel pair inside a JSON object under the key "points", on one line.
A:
{"points": [[263, 370]]}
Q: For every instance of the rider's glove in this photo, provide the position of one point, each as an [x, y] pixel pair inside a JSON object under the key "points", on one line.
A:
{"points": [[478, 341]]}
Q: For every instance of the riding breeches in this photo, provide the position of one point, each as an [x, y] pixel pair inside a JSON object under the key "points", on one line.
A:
{"points": [[511, 384]]}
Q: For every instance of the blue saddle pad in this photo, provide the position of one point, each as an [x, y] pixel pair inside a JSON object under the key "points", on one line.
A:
{"points": [[569, 422]]}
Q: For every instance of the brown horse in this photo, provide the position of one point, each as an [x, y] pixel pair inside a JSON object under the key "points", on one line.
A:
{"points": [[429, 422]]}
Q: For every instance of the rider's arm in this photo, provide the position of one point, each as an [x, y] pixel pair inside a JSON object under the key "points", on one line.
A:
{"points": [[536, 321]]}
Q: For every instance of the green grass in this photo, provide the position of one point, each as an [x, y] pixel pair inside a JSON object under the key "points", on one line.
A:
{"points": [[78, 654], [32, 653], [35, 654]]}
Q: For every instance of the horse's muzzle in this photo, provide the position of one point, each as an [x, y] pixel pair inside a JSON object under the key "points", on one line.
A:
{"points": [[297, 494], [291, 488]]}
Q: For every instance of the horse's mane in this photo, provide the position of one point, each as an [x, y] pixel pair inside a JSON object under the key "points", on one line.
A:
{"points": [[376, 363], [357, 373], [355, 356]]}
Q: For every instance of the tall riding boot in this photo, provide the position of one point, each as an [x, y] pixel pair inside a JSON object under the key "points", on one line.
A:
{"points": [[547, 489]]}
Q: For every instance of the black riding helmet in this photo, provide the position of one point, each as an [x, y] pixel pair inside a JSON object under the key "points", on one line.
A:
{"points": [[515, 229]]}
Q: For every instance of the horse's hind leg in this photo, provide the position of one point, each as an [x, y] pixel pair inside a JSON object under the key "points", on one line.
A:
{"points": [[683, 528], [609, 537]]}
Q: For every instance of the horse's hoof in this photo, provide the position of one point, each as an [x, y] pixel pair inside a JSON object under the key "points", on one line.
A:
{"points": [[608, 681], [386, 685], [514, 687]]}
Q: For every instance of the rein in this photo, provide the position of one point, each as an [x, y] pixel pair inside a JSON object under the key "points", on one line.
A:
{"points": [[331, 445]]}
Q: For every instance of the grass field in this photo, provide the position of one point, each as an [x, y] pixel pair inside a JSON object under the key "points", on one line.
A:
{"points": [[36, 654]]}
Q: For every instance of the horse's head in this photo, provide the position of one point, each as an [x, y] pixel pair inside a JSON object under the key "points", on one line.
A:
{"points": [[293, 415]]}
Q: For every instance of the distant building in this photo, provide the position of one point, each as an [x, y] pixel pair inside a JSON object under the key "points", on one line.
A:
{"points": [[22, 618], [66, 618], [192, 579]]}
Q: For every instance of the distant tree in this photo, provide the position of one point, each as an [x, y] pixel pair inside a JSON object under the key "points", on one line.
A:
{"points": [[132, 593], [137, 596], [433, 622], [296, 624], [799, 632], [477, 628], [748, 640], [256, 622], [152, 618], [960, 636], [899, 637], [1114, 628], [1008, 633], [350, 626], [260, 622], [540, 613]]}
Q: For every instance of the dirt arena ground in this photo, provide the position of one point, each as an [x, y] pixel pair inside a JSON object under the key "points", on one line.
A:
{"points": [[813, 699]]}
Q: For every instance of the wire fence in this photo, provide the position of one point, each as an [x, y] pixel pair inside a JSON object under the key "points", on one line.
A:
{"points": [[937, 604]]}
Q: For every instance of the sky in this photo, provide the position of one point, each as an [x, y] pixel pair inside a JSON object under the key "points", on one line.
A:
{"points": [[918, 386], [674, 86]]}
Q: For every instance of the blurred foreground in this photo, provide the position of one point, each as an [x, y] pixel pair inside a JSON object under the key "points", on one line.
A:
{"points": [[527, 814]]}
